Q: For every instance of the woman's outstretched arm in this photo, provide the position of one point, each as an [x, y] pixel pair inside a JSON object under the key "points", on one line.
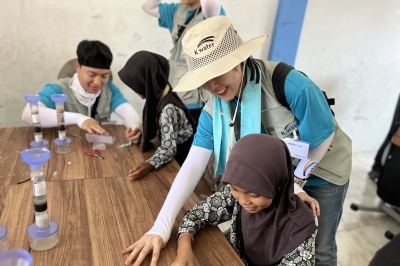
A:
{"points": [[183, 186]]}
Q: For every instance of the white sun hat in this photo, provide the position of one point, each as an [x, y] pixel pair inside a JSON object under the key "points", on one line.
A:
{"points": [[212, 48]]}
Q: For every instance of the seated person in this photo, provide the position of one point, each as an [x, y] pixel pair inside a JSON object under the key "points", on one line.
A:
{"points": [[147, 75], [377, 166], [91, 96], [270, 224]]}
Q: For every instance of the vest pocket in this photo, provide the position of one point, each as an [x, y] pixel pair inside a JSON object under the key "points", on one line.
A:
{"points": [[337, 160]]}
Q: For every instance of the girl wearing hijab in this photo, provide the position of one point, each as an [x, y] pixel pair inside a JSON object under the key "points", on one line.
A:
{"points": [[147, 75], [270, 224]]}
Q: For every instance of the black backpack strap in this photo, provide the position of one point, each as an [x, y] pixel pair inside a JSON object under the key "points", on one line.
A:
{"points": [[278, 84], [182, 27], [331, 101]]}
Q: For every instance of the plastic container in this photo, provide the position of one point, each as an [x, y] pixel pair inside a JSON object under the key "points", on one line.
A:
{"points": [[43, 144], [4, 244], [63, 146], [99, 146], [41, 240], [100, 138], [15, 257]]}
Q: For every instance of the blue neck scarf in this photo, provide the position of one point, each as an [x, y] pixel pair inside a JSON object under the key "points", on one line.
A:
{"points": [[250, 121]]}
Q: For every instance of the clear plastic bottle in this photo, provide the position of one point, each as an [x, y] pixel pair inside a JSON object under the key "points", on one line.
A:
{"points": [[62, 142], [42, 233], [38, 180], [39, 142]]}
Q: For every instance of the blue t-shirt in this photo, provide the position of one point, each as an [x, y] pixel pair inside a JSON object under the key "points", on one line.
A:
{"points": [[308, 104], [167, 13], [50, 89]]}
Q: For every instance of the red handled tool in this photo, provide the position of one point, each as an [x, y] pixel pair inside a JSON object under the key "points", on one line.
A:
{"points": [[97, 154]]}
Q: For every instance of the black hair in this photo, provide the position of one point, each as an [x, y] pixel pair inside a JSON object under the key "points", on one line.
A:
{"points": [[251, 64], [254, 68], [94, 54]]}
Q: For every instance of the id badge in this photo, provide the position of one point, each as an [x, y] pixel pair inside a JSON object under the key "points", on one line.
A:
{"points": [[297, 148]]}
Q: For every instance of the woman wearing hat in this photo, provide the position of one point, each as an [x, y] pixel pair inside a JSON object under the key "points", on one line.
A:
{"points": [[243, 103]]}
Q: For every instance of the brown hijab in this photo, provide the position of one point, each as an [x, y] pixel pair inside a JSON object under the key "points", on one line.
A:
{"points": [[147, 73], [262, 164]]}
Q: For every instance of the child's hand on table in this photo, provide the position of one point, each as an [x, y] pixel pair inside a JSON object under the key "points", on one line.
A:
{"points": [[139, 171], [184, 255]]}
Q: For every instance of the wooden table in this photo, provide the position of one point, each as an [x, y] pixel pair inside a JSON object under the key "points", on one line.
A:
{"points": [[99, 212], [117, 163]]}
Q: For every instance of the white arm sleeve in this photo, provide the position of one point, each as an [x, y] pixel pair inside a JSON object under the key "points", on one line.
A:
{"points": [[183, 186], [297, 189], [129, 115], [210, 8], [315, 155], [151, 7], [48, 117]]}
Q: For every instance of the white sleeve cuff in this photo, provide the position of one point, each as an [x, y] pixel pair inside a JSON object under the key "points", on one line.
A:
{"points": [[297, 189], [151, 7], [210, 8], [315, 155], [129, 115], [183, 186], [79, 118]]}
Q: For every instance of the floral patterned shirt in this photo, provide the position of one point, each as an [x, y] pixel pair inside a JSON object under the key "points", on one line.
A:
{"points": [[221, 207], [175, 129]]}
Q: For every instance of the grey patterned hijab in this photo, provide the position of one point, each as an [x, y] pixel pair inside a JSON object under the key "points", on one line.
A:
{"points": [[262, 164]]}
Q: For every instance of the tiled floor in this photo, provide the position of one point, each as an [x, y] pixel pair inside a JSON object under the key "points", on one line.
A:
{"points": [[361, 233]]}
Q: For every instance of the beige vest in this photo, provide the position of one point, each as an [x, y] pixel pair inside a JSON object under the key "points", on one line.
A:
{"points": [[103, 111], [335, 167], [177, 62]]}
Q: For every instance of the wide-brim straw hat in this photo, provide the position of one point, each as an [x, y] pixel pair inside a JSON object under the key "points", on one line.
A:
{"points": [[212, 48]]}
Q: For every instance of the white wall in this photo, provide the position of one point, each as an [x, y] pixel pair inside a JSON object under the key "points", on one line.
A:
{"points": [[39, 36], [351, 49]]}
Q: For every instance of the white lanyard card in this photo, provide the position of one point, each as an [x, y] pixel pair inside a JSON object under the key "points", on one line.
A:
{"points": [[297, 148]]}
